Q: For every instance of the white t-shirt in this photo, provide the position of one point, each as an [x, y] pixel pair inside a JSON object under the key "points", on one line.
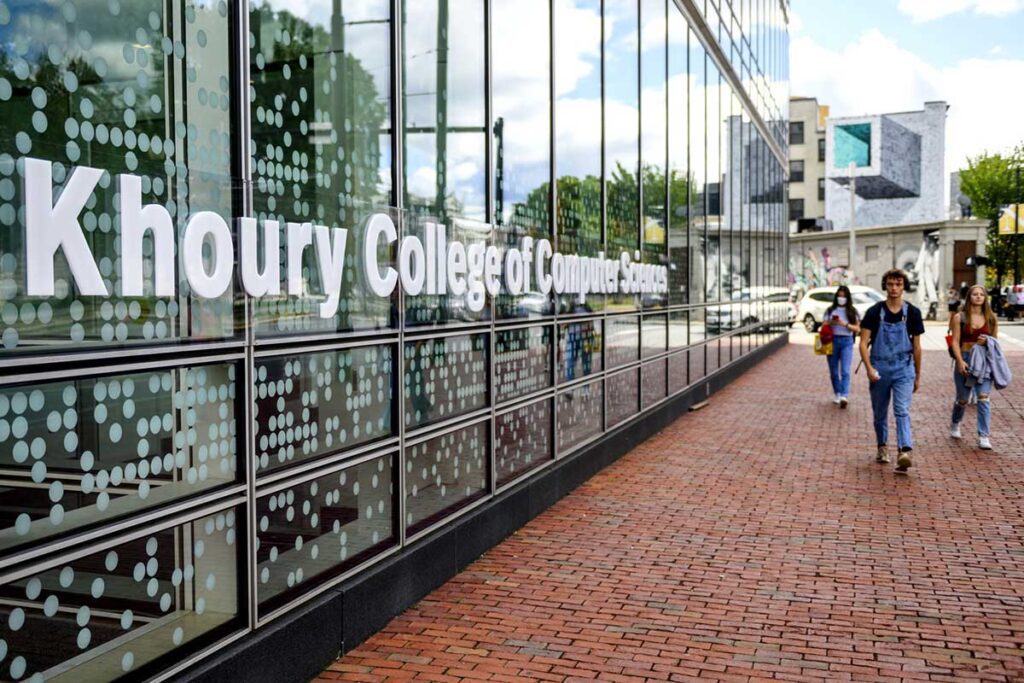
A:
{"points": [[839, 330]]}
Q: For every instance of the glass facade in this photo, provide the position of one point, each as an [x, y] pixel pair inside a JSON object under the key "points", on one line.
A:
{"points": [[180, 468]]}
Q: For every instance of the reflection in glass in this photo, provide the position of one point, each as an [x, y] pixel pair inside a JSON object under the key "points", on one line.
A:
{"points": [[522, 362], [321, 153], [681, 184], [654, 335], [579, 349], [697, 236], [444, 134], [652, 383], [578, 139], [445, 474], [678, 371], [623, 340], [678, 329], [111, 613], [312, 531], [73, 93], [579, 414], [314, 404], [83, 451], [522, 136], [653, 139], [623, 396], [445, 377], [523, 440], [622, 131]]}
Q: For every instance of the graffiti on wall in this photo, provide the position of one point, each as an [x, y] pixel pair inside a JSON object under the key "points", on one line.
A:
{"points": [[816, 269]]}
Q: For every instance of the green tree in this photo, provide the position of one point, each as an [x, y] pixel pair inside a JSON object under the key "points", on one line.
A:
{"points": [[990, 184]]}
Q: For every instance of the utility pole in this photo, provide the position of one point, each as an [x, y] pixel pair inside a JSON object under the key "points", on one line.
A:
{"points": [[853, 232]]}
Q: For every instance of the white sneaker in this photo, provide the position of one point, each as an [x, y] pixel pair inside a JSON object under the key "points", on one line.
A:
{"points": [[984, 444], [842, 401], [836, 399], [954, 431]]}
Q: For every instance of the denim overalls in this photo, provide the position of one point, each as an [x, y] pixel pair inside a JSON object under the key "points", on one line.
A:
{"points": [[892, 355]]}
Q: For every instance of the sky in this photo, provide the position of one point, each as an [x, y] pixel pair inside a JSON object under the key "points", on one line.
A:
{"points": [[876, 56]]}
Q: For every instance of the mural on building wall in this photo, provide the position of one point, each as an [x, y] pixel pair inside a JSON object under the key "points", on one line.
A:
{"points": [[815, 269], [924, 272]]}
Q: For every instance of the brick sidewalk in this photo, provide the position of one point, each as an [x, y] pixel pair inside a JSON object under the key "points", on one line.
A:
{"points": [[754, 539]]}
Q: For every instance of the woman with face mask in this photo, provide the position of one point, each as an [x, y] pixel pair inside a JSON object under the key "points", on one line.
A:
{"points": [[845, 323]]}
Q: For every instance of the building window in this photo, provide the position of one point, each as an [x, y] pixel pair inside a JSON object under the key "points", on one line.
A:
{"points": [[796, 132], [796, 171], [796, 209], [821, 149], [852, 145], [821, 189], [871, 253]]}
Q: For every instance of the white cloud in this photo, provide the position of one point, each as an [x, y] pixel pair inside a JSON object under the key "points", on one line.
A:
{"points": [[927, 10], [874, 75]]}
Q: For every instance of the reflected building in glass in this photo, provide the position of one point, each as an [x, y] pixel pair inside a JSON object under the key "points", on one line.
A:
{"points": [[188, 481]]}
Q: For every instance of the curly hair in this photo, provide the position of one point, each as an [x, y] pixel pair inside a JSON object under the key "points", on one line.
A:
{"points": [[895, 274]]}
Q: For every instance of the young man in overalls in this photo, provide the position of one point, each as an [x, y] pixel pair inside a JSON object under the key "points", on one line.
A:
{"points": [[890, 347]]}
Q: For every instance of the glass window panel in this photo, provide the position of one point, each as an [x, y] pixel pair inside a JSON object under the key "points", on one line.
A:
{"points": [[522, 363], [622, 131], [681, 187], [678, 329], [83, 451], [523, 440], [579, 349], [713, 194], [712, 356], [623, 396], [655, 335], [445, 377], [654, 149], [678, 369], [309, 532], [652, 383], [429, 309], [445, 474], [623, 340], [129, 610], [318, 403], [75, 94], [445, 129], [522, 135], [578, 139], [697, 237], [579, 414], [697, 357], [321, 145]]}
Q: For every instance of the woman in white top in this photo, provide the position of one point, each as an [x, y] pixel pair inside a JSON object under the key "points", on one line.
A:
{"points": [[845, 323]]}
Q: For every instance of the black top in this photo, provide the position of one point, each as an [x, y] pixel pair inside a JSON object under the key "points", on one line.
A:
{"points": [[915, 323]]}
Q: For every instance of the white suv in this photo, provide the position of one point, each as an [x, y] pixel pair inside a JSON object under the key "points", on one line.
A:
{"points": [[816, 302]]}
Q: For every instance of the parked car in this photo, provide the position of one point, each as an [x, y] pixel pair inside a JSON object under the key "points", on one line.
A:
{"points": [[814, 304], [771, 303]]}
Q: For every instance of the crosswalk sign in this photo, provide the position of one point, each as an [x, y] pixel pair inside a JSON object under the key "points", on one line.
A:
{"points": [[1011, 219]]}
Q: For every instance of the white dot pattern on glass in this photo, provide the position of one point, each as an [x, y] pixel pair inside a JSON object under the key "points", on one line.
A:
{"points": [[623, 340], [445, 377], [579, 349], [80, 618], [117, 121], [522, 439], [623, 396], [579, 414], [315, 530], [320, 403], [444, 473], [652, 383], [320, 151], [169, 430], [522, 361]]}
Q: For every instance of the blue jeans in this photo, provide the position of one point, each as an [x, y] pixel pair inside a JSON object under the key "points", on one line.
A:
{"points": [[839, 364], [963, 393], [897, 384]]}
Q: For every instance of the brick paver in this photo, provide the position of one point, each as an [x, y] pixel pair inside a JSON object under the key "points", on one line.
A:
{"points": [[754, 539]]}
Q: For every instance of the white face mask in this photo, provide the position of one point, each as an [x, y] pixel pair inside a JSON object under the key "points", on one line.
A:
{"points": [[841, 300]]}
